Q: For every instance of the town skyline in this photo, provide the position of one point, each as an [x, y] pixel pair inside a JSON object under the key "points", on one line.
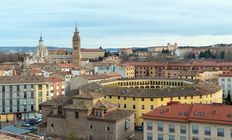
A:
{"points": [[115, 24]]}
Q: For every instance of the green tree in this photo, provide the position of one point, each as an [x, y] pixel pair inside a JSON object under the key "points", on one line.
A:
{"points": [[228, 98], [222, 54]]}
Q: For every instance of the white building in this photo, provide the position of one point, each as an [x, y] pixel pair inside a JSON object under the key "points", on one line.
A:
{"points": [[225, 81]]}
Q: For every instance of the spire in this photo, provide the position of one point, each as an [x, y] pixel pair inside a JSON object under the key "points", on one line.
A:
{"points": [[76, 27], [41, 37]]}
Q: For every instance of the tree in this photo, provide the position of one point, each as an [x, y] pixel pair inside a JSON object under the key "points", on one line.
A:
{"points": [[228, 98], [100, 47], [222, 54]]}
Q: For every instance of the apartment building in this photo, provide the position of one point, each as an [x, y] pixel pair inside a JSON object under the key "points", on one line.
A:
{"points": [[185, 69], [225, 81], [57, 87], [20, 97], [177, 121]]}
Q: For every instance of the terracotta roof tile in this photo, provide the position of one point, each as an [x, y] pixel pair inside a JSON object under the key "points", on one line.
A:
{"points": [[205, 113]]}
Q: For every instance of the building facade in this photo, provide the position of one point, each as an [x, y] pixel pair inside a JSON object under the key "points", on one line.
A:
{"points": [[87, 116], [20, 97], [144, 95], [189, 122], [224, 80]]}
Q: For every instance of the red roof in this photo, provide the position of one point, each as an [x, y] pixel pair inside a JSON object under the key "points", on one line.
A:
{"points": [[205, 113], [92, 50], [54, 79], [67, 65], [226, 74]]}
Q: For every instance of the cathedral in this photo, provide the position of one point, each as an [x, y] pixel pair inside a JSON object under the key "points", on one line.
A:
{"points": [[43, 55]]}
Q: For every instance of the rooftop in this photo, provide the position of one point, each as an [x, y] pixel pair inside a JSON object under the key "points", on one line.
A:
{"points": [[205, 113], [201, 88], [113, 115], [22, 79]]}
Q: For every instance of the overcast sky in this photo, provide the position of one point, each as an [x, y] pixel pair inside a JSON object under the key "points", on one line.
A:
{"points": [[119, 23]]}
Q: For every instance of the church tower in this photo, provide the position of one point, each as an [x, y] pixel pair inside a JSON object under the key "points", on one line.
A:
{"points": [[76, 48]]}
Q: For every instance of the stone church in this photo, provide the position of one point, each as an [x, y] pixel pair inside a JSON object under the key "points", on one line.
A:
{"points": [[43, 55]]}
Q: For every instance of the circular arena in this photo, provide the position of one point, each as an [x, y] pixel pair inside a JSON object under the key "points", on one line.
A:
{"points": [[144, 95]]}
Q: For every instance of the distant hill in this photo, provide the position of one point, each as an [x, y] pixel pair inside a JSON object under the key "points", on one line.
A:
{"points": [[22, 49]]}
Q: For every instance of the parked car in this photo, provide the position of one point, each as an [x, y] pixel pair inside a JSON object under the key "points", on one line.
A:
{"points": [[25, 124]]}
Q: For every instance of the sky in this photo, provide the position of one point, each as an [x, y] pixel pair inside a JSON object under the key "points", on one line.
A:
{"points": [[115, 24]]}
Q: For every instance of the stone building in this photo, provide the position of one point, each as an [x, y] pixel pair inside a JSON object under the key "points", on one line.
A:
{"points": [[87, 116]]}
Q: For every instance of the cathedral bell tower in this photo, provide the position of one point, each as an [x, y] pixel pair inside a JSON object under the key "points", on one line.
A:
{"points": [[76, 48]]}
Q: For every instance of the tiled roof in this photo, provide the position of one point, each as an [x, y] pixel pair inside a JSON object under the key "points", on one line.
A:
{"points": [[101, 76], [54, 79], [227, 74], [80, 105], [22, 79], [103, 104], [201, 88], [67, 65], [89, 95], [204, 113], [91, 50], [113, 115], [59, 101]]}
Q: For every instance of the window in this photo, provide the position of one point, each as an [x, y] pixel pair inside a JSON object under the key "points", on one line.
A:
{"points": [[110, 97], [149, 136], [124, 97], [107, 136], [207, 131], [77, 115], [160, 137], [133, 106], [142, 99], [160, 127], [152, 107], [40, 87], [183, 129], [149, 125], [124, 105], [179, 97], [220, 132], [207, 138], [25, 86], [107, 128], [118, 105], [142, 107], [161, 98], [183, 138], [133, 98], [171, 137], [90, 126], [195, 138], [231, 133], [195, 129], [118, 97], [32, 94], [171, 128], [25, 94], [151, 99]]}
